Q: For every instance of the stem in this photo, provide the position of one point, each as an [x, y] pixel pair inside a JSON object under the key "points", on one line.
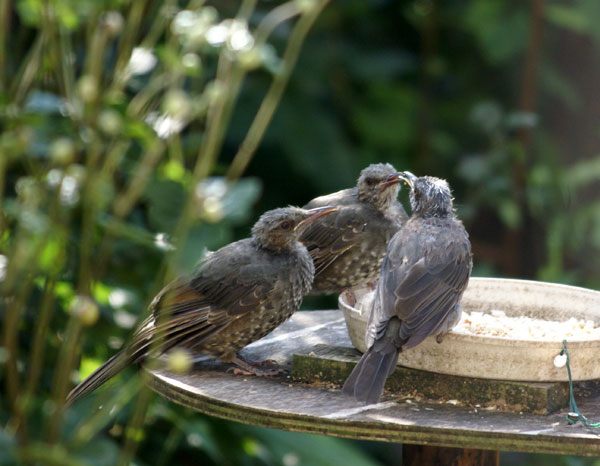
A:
{"points": [[142, 98], [217, 119], [68, 72], [90, 426], [95, 53], [513, 240], [4, 32], [67, 356], [88, 220], [127, 200], [127, 41], [272, 98], [428, 50], [3, 167], [19, 288], [273, 19], [532, 61], [173, 438], [41, 331], [134, 426], [158, 26], [28, 70]]}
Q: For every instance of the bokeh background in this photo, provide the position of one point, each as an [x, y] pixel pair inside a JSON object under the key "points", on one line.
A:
{"points": [[137, 134]]}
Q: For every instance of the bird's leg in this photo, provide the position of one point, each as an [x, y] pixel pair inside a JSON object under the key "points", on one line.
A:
{"points": [[246, 367], [373, 284]]}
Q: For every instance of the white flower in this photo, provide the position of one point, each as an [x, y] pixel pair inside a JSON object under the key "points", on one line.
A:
{"points": [[192, 26], [233, 32], [3, 267], [217, 34], [142, 60], [165, 125]]}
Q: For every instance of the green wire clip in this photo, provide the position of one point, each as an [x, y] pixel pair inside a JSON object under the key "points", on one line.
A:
{"points": [[574, 415]]}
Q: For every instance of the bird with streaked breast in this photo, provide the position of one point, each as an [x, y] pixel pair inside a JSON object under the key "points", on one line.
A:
{"points": [[236, 295], [423, 276], [348, 246]]}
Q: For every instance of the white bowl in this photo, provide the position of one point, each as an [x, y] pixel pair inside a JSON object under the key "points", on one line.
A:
{"points": [[500, 358]]}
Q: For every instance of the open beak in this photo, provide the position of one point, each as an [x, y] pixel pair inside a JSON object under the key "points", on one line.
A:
{"points": [[391, 180], [408, 178], [314, 215]]}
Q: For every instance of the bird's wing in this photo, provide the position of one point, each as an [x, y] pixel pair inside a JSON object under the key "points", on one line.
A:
{"points": [[188, 310], [420, 292], [428, 294], [339, 198], [331, 237]]}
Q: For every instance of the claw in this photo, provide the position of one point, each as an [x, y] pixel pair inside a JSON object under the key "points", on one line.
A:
{"points": [[350, 297], [255, 368]]}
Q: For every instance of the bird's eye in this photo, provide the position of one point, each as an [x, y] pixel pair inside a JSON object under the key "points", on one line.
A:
{"points": [[370, 181], [285, 225]]}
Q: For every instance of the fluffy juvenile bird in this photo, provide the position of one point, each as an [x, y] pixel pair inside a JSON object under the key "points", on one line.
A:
{"points": [[236, 296], [424, 274], [348, 246]]}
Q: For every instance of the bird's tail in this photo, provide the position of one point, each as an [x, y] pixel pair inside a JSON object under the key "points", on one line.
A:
{"points": [[106, 371], [368, 378]]}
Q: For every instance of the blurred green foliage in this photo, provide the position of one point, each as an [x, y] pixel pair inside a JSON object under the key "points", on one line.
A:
{"points": [[126, 130]]}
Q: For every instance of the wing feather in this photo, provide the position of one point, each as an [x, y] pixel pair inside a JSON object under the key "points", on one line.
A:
{"points": [[420, 287], [189, 310]]}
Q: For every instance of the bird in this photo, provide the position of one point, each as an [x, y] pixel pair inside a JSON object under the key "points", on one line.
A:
{"points": [[423, 276], [348, 247], [235, 296]]}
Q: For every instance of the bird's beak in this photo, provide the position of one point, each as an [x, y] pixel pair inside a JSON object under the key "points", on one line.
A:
{"points": [[408, 178], [391, 180], [314, 215]]}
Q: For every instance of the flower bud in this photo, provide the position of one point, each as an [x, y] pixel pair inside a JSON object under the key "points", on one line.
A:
{"points": [[84, 309], [179, 361], [62, 151]]}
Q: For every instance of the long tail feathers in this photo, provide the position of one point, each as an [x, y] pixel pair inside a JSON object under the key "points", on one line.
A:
{"points": [[106, 371], [368, 378]]}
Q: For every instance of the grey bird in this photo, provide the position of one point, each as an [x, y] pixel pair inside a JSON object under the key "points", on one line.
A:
{"points": [[236, 296], [348, 247], [424, 274]]}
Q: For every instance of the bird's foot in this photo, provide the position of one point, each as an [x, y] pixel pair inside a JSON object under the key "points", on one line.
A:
{"points": [[373, 284], [349, 297], [440, 337], [258, 371], [256, 368]]}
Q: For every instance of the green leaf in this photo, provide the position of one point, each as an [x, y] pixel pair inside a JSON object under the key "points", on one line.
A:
{"points": [[8, 455], [45, 103], [583, 173], [99, 452], [207, 236], [500, 30], [239, 199], [510, 213], [199, 434], [569, 17], [385, 117], [101, 292], [166, 199], [30, 11], [173, 170], [317, 450]]}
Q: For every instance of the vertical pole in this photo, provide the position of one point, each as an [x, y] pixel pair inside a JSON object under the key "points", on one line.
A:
{"points": [[421, 455]]}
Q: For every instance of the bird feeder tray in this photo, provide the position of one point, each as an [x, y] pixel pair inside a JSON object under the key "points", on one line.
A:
{"points": [[499, 357], [281, 402]]}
